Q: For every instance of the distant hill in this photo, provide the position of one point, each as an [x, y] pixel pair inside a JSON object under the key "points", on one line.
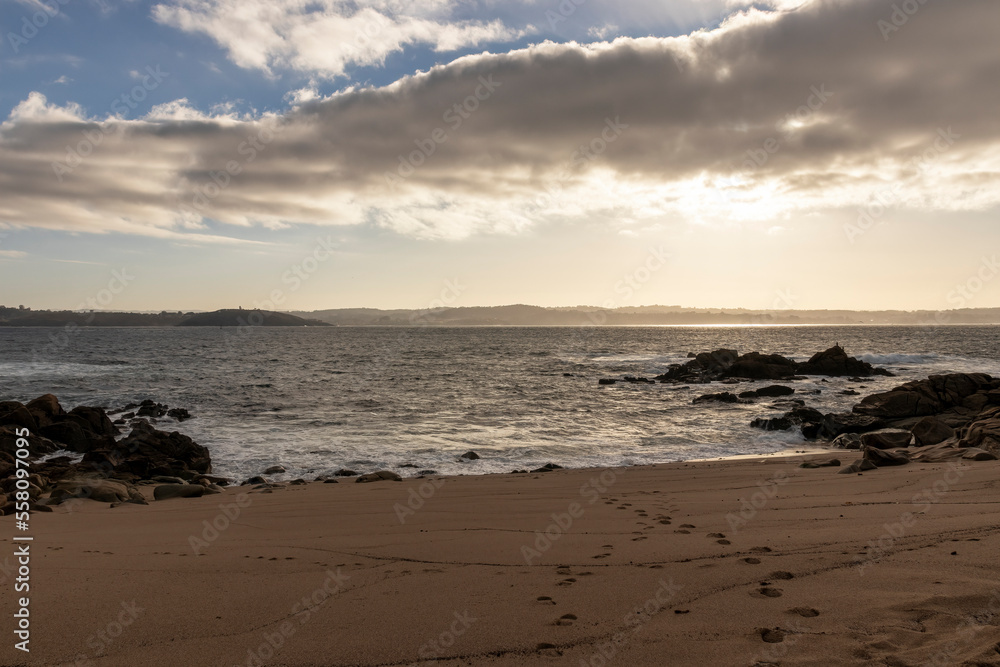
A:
{"points": [[243, 318], [523, 315], [64, 318]]}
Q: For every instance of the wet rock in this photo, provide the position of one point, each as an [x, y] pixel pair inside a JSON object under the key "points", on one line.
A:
{"points": [[606, 381], [724, 397], [849, 422], [344, 472], [257, 479], [931, 431], [469, 456], [380, 476], [180, 414], [274, 470], [886, 457], [548, 467], [835, 362], [773, 391], [168, 491]]}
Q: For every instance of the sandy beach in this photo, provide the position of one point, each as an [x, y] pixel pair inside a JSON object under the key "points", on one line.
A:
{"points": [[711, 563]]}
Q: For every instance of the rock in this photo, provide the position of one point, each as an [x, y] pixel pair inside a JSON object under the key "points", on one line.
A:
{"points": [[94, 420], [15, 414], [257, 479], [343, 472], [147, 452], [330, 481], [212, 479], [976, 454], [167, 479], [606, 381], [849, 392], [934, 395], [835, 362], [150, 408], [931, 431], [861, 465], [548, 467], [274, 470], [180, 414], [831, 463], [381, 475], [886, 457], [45, 409], [427, 472], [69, 434], [168, 491], [758, 366], [724, 397], [471, 456], [983, 434], [773, 424], [93, 488], [887, 439], [774, 391], [297, 482], [638, 380], [847, 441], [849, 422]]}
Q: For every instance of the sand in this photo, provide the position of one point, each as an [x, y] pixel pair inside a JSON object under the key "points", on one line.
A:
{"points": [[711, 563]]}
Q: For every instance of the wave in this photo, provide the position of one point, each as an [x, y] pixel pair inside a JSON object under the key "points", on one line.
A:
{"points": [[893, 359]]}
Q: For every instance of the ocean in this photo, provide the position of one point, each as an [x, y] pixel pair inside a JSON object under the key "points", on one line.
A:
{"points": [[315, 400]]}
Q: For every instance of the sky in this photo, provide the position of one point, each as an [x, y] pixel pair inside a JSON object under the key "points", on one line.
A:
{"points": [[312, 154]]}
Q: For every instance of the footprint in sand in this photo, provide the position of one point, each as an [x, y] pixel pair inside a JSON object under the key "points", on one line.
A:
{"points": [[752, 561], [565, 619], [638, 539], [601, 556], [781, 574], [771, 635], [683, 532], [566, 582], [545, 599], [620, 507], [768, 592], [723, 542], [804, 612], [716, 535], [688, 525], [548, 649], [761, 550]]}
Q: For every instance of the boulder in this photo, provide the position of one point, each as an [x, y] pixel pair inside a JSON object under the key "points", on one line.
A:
{"points": [[605, 381], [471, 456], [847, 441], [887, 457], [95, 488], [835, 362], [775, 390], [548, 467], [983, 434], [94, 420], [15, 414], [147, 452], [887, 439], [830, 463], [861, 465], [167, 491], [849, 422], [274, 470], [380, 476], [180, 414], [974, 454], [931, 431], [69, 434], [773, 424], [344, 472], [45, 409]]}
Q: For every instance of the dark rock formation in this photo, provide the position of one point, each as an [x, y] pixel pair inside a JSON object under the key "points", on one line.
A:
{"points": [[724, 364]]}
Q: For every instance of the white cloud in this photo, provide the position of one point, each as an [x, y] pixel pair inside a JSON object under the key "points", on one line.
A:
{"points": [[324, 37]]}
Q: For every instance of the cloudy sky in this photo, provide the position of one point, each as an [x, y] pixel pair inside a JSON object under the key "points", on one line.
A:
{"points": [[390, 153]]}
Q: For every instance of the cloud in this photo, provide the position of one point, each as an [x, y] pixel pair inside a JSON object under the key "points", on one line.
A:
{"points": [[326, 36], [771, 115]]}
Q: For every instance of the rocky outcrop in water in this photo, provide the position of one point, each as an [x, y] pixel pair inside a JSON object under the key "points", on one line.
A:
{"points": [[725, 364]]}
